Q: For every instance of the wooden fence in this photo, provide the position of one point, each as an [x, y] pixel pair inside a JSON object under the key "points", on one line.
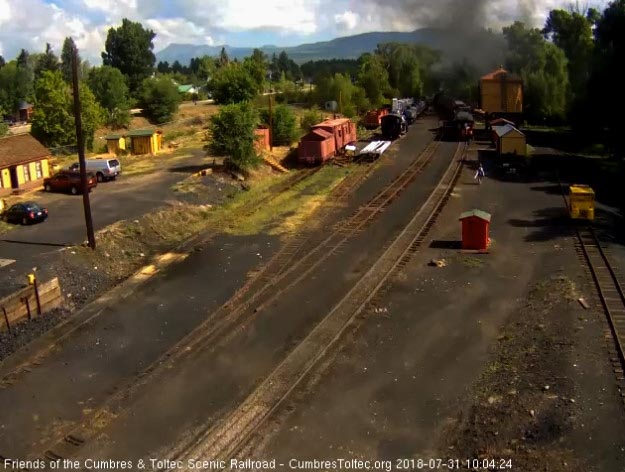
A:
{"points": [[26, 303]]}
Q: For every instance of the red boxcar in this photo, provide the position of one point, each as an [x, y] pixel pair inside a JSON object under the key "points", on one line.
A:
{"points": [[316, 147]]}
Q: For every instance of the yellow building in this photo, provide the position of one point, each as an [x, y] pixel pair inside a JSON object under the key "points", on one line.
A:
{"points": [[145, 141], [501, 93], [24, 163], [115, 143], [582, 202], [509, 140]]}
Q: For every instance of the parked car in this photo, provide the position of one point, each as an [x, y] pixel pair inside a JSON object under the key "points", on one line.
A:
{"points": [[104, 169], [25, 213], [68, 181]]}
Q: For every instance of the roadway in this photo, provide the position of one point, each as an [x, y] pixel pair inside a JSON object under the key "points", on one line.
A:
{"points": [[125, 198]]}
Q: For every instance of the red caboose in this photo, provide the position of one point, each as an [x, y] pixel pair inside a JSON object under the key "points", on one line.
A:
{"points": [[343, 129], [326, 139]]}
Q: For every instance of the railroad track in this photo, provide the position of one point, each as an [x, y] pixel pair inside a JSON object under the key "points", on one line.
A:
{"points": [[227, 438], [610, 293], [264, 288]]}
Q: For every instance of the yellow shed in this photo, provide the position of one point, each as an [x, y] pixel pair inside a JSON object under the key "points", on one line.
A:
{"points": [[115, 143], [145, 141], [582, 202], [509, 140], [501, 92], [24, 163]]}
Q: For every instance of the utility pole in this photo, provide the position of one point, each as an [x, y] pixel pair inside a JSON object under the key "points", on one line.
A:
{"points": [[80, 139], [270, 123], [341, 102]]}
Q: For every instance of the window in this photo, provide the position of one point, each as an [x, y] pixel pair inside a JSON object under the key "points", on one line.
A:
{"points": [[26, 171], [38, 169]]}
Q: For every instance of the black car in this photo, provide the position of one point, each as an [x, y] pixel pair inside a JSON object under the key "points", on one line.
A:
{"points": [[25, 213]]}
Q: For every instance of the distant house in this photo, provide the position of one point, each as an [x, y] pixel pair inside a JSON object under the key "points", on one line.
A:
{"points": [[115, 143], [146, 141], [24, 111], [190, 89], [24, 163]]}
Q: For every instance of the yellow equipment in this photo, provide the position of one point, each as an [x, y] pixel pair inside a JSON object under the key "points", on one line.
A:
{"points": [[581, 202]]}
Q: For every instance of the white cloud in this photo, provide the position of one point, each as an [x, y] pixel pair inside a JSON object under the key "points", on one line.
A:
{"points": [[348, 19], [31, 23]]}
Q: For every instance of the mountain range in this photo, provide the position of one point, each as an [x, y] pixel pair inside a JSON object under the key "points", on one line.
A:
{"points": [[483, 48]]}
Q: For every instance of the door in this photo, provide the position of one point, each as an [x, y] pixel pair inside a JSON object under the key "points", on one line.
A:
{"points": [[13, 174]]}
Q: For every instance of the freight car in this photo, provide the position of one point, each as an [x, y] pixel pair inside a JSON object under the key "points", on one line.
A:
{"points": [[325, 140], [393, 126], [373, 118]]}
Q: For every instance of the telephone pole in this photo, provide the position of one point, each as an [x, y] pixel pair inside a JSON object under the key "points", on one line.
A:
{"points": [[270, 123], [80, 139]]}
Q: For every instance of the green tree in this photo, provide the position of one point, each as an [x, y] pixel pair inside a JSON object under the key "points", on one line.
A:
{"points": [[4, 128], [543, 67], [232, 134], [48, 61], [129, 49], [340, 89], [66, 59], [310, 118], [9, 87], [402, 62], [24, 80], [163, 67], [111, 92], [572, 32], [53, 119], [256, 66], [159, 98], [223, 60], [233, 84], [373, 78], [606, 96], [2, 61], [284, 121]]}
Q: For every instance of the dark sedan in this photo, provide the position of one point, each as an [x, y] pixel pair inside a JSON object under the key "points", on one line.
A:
{"points": [[25, 213]]}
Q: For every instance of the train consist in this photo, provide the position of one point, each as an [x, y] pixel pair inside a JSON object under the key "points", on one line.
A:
{"points": [[325, 140], [456, 116], [329, 138]]}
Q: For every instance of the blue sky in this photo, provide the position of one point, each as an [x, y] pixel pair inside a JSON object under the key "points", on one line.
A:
{"points": [[30, 24]]}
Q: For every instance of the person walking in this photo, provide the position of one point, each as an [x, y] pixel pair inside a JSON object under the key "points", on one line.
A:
{"points": [[480, 174]]}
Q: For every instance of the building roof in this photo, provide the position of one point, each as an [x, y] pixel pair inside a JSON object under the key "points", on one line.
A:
{"points": [[113, 136], [579, 189], [506, 129], [477, 213], [333, 122], [20, 149], [497, 122], [185, 88], [317, 134], [501, 73], [142, 132], [463, 116], [23, 105]]}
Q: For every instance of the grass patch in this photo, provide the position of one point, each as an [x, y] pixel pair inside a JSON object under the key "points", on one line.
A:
{"points": [[290, 210]]}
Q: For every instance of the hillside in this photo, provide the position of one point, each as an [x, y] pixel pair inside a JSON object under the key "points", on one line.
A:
{"points": [[481, 47]]}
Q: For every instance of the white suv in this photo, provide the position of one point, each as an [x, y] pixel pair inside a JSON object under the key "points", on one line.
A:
{"points": [[104, 169]]}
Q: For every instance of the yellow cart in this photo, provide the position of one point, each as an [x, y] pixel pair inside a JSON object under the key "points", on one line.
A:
{"points": [[581, 202]]}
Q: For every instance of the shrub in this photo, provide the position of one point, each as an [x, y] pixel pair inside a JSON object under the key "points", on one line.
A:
{"points": [[232, 134], [311, 118], [284, 130]]}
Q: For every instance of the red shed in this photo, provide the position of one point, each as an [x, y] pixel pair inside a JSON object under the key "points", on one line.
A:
{"points": [[316, 147], [475, 229]]}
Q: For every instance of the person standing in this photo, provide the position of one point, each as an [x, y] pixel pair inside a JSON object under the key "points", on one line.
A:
{"points": [[480, 174]]}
